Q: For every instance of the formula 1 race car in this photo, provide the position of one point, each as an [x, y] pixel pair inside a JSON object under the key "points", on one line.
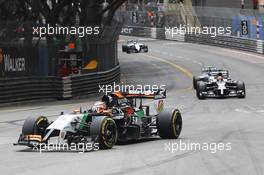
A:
{"points": [[209, 73], [220, 87], [118, 117], [133, 46]]}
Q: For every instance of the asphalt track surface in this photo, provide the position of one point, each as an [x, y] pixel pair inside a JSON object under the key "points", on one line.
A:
{"points": [[236, 121]]}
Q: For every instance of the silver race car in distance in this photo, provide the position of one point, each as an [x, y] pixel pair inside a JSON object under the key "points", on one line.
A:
{"points": [[133, 46]]}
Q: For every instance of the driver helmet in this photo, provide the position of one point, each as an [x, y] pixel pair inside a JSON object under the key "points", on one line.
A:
{"points": [[99, 107], [107, 99], [220, 77]]}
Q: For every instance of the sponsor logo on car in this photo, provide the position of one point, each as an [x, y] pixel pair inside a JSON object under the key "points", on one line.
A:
{"points": [[159, 106]]}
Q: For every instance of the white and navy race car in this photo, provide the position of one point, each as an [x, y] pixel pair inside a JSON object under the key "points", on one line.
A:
{"points": [[219, 86], [133, 46]]}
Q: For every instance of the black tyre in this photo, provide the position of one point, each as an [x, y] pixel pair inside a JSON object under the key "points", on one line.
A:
{"points": [[201, 87], [145, 49], [195, 80], [105, 129], [124, 48], [241, 86], [128, 50], [169, 124], [35, 126]]}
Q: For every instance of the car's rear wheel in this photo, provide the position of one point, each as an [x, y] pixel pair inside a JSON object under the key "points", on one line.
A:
{"points": [[241, 86], [105, 129], [201, 87], [169, 124]]}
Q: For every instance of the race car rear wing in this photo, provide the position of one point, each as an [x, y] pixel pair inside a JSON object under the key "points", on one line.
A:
{"points": [[159, 94]]}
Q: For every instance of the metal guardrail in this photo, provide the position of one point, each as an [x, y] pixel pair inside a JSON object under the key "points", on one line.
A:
{"points": [[155, 33], [250, 45], [244, 44], [13, 90], [29, 88], [83, 85]]}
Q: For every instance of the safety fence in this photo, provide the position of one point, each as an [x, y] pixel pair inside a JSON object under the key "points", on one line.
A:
{"points": [[251, 45], [13, 90]]}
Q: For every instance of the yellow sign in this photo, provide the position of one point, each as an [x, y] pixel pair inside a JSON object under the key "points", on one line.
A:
{"points": [[91, 65]]}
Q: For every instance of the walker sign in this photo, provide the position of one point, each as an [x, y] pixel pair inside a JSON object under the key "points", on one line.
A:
{"points": [[16, 62]]}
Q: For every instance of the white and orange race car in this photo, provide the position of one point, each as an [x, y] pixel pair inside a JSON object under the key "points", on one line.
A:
{"points": [[118, 117]]}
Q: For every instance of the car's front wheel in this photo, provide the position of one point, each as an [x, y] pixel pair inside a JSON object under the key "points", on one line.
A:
{"points": [[201, 87], [146, 49], [105, 129], [195, 80], [241, 86], [35, 126]]}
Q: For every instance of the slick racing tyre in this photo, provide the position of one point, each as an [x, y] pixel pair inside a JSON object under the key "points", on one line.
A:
{"points": [[35, 126], [169, 124], [105, 130], [195, 80], [201, 87], [241, 86], [124, 48]]}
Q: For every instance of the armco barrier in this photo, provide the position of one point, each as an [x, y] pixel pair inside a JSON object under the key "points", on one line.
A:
{"points": [[250, 45], [13, 90], [244, 44], [89, 84], [155, 33], [29, 88]]}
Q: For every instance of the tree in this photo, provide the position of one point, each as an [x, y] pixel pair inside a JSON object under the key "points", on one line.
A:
{"points": [[62, 13]]}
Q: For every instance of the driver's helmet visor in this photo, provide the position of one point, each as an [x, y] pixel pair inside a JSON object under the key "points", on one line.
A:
{"points": [[220, 78]]}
